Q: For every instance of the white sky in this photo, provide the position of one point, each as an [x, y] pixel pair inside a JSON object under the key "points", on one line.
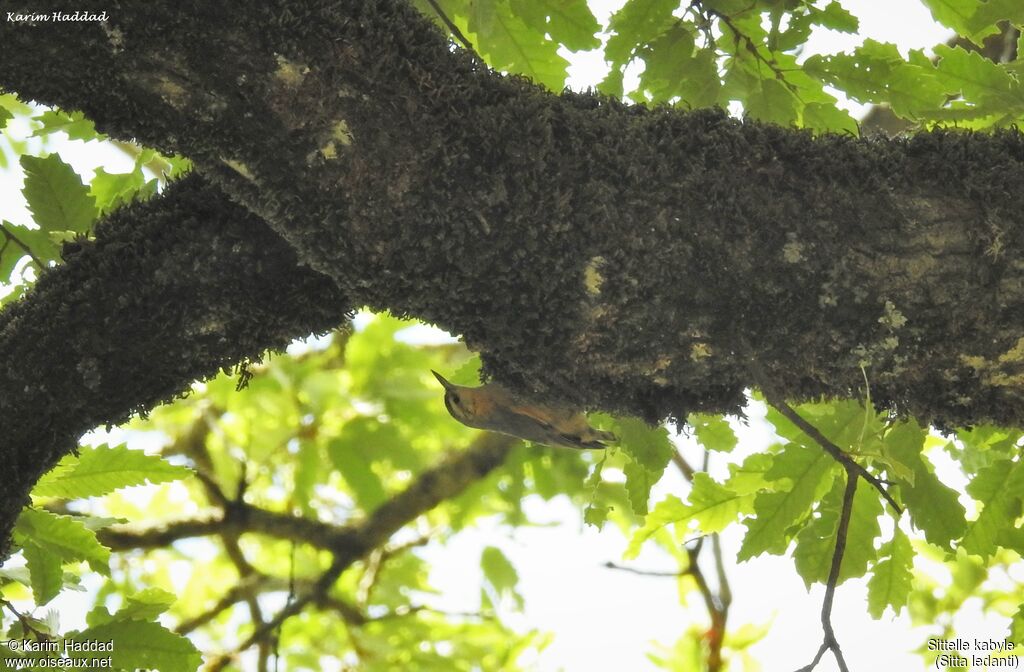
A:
{"points": [[605, 619]]}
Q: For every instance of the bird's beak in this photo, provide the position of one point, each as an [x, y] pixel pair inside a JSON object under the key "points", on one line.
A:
{"points": [[441, 379]]}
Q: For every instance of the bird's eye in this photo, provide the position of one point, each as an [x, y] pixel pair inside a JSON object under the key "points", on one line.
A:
{"points": [[455, 399]]}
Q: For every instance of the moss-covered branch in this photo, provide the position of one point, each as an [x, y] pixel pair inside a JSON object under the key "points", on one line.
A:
{"points": [[605, 255], [170, 291]]}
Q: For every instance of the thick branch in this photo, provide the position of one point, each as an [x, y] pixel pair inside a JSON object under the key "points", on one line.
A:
{"points": [[170, 291], [430, 488], [426, 185], [598, 254]]}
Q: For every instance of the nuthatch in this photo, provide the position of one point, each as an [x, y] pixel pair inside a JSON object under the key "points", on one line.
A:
{"points": [[493, 408]]}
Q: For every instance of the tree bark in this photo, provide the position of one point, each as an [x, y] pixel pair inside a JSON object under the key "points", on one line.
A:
{"points": [[643, 261]]}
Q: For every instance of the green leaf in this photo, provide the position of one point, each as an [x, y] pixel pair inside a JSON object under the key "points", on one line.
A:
{"points": [[979, 79], [612, 83], [638, 22], [933, 506], [639, 482], [713, 432], [468, 374], [63, 536], [649, 450], [56, 196], [645, 445], [352, 453], [1017, 627], [309, 469], [710, 506], [665, 59], [46, 572], [973, 19], [140, 644], [877, 73], [145, 605], [667, 511], [595, 516], [701, 84], [835, 17], [142, 606], [37, 241], [507, 43], [772, 101], [815, 543], [749, 477], [714, 507], [500, 575], [827, 118], [112, 190], [999, 489], [16, 574], [103, 469], [569, 22], [74, 124], [809, 471], [889, 585]]}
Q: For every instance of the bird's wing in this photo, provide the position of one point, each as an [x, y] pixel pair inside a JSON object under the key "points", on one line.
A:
{"points": [[567, 426]]}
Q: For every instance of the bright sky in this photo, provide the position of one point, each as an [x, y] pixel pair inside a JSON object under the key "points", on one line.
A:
{"points": [[606, 619]]}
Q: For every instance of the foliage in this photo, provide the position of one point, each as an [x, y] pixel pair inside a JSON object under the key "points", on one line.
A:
{"points": [[341, 427]]}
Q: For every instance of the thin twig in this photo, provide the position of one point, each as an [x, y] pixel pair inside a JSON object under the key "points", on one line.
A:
{"points": [[740, 36], [717, 605], [644, 572], [832, 449], [775, 401], [830, 642], [684, 467], [451, 25], [320, 587], [25, 248], [26, 622]]}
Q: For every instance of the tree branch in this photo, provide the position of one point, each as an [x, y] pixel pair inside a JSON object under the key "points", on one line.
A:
{"points": [[10, 237], [830, 642], [152, 327], [450, 25], [432, 486], [832, 449], [645, 572]]}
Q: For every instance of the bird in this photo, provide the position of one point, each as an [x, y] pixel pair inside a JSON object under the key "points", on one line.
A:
{"points": [[495, 409]]}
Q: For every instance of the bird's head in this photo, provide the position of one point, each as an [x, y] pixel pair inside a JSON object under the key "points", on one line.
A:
{"points": [[458, 400]]}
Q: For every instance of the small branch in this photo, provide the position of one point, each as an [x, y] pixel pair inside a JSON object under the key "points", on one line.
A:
{"points": [[246, 570], [832, 449], [644, 572], [451, 25], [347, 543], [26, 623], [236, 594], [376, 563], [684, 467], [123, 538], [25, 248], [724, 591], [748, 43], [263, 630], [830, 642]]}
